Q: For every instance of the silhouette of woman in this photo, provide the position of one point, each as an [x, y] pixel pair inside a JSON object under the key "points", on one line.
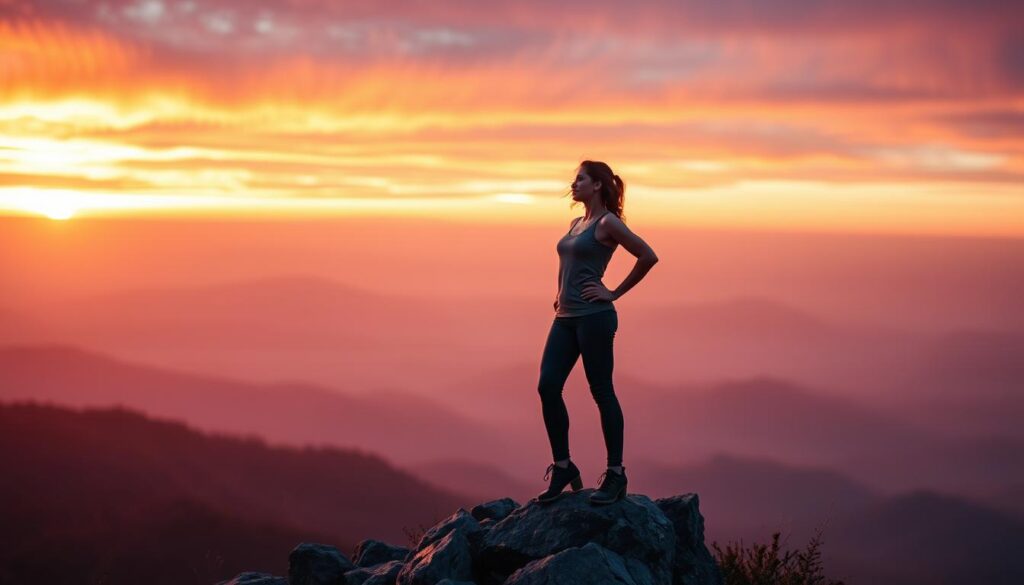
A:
{"points": [[585, 323]]}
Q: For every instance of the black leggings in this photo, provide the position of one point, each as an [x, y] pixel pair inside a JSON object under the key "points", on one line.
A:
{"points": [[591, 335]]}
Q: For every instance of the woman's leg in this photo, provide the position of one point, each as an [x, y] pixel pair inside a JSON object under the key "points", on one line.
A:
{"points": [[560, 354], [596, 334]]}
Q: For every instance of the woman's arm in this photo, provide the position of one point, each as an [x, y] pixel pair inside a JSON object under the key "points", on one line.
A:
{"points": [[645, 259]]}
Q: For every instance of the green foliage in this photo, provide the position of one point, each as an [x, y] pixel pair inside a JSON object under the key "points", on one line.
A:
{"points": [[767, 564]]}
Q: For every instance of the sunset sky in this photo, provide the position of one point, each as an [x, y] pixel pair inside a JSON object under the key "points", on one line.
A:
{"points": [[868, 116]]}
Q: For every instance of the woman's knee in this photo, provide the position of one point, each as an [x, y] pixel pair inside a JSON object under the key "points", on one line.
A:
{"points": [[603, 391], [549, 389]]}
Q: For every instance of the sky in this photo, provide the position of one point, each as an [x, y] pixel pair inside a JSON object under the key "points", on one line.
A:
{"points": [[894, 116]]}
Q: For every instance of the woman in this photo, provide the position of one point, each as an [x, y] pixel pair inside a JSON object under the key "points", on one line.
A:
{"points": [[585, 323]]}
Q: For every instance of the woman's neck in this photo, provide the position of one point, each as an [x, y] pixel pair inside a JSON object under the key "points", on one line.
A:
{"points": [[594, 212]]}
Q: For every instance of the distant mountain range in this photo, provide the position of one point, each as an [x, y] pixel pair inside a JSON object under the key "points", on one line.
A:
{"points": [[488, 480], [970, 382], [116, 497], [926, 537], [499, 414], [889, 449], [111, 496], [293, 413], [915, 537], [320, 330]]}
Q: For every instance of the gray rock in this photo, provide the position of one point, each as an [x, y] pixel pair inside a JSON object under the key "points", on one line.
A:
{"points": [[383, 574], [694, 564], [460, 521], [448, 558], [584, 565], [317, 564], [450, 582], [495, 509], [633, 527], [254, 578], [358, 576], [374, 552]]}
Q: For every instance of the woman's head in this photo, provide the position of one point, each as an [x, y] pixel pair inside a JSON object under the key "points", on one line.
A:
{"points": [[596, 179]]}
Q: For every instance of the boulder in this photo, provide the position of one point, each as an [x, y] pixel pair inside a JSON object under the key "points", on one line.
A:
{"points": [[694, 564], [634, 528], [495, 510], [374, 552], [383, 574], [586, 565], [448, 558], [461, 521], [634, 541], [317, 564]]}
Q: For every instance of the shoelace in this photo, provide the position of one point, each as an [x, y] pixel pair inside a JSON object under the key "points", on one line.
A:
{"points": [[600, 480], [547, 473]]}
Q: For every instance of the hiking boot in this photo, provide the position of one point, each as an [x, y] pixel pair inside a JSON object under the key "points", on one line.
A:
{"points": [[560, 477], [612, 488]]}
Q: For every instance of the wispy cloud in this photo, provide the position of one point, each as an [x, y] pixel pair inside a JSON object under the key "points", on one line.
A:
{"points": [[452, 99]]}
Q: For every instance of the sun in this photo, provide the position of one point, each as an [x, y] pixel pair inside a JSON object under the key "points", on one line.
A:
{"points": [[59, 213], [54, 205]]}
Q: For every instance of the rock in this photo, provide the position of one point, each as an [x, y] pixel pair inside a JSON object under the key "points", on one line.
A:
{"points": [[253, 578], [584, 565], [374, 552], [694, 564], [383, 574], [448, 558], [460, 521], [495, 510], [358, 576], [634, 528], [317, 564], [634, 541]]}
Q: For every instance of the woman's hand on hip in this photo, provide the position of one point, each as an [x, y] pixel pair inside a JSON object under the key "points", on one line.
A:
{"points": [[596, 291]]}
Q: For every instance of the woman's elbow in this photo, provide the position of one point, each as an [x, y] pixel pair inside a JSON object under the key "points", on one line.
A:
{"points": [[650, 258]]}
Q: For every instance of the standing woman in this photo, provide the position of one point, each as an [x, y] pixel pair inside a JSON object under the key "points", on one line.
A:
{"points": [[585, 323]]}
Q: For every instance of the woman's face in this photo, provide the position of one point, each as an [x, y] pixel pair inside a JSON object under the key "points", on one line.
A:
{"points": [[583, 188]]}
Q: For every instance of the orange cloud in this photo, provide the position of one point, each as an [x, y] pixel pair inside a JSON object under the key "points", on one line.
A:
{"points": [[317, 101]]}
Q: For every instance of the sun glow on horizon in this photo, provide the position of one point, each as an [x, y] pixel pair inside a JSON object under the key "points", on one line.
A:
{"points": [[131, 114], [57, 205]]}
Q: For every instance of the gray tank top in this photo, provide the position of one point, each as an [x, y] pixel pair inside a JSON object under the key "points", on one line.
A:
{"points": [[581, 259]]}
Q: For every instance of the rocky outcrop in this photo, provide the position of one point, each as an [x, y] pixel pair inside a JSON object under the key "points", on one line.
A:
{"points": [[635, 541], [633, 528], [317, 564], [591, 563], [374, 552], [693, 563]]}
